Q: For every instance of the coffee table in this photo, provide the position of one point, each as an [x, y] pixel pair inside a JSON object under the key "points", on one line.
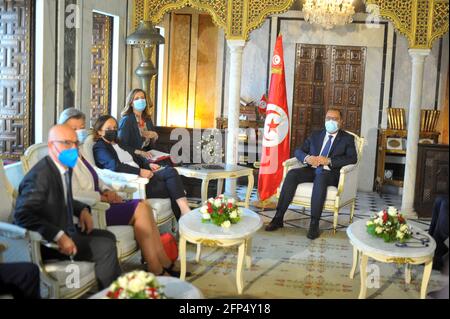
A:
{"points": [[366, 245], [194, 231], [174, 288], [225, 171]]}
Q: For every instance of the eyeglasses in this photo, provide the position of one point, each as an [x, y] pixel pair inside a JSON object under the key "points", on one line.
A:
{"points": [[68, 144]]}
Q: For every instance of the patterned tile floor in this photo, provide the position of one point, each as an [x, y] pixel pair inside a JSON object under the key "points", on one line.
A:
{"points": [[367, 203]]}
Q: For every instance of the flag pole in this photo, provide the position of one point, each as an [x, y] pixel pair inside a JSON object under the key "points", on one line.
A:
{"points": [[268, 203]]}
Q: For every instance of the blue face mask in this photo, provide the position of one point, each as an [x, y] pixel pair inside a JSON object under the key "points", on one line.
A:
{"points": [[69, 157], [140, 105], [82, 135], [331, 126]]}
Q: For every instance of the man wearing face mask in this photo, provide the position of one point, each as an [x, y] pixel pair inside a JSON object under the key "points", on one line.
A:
{"points": [[324, 153], [45, 204]]}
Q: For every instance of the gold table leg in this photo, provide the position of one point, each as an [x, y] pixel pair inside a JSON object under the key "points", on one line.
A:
{"points": [[363, 275], [426, 278], [355, 262], [182, 249], [240, 266]]}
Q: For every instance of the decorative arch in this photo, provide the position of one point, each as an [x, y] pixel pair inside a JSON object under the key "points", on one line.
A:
{"points": [[421, 21], [236, 17]]}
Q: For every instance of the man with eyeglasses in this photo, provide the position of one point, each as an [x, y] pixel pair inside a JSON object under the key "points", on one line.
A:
{"points": [[323, 153], [45, 204]]}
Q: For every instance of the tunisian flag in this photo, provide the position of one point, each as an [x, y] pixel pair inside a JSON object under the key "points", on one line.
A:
{"points": [[276, 129]]}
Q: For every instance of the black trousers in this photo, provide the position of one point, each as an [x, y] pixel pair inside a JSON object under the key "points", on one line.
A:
{"points": [[439, 228], [167, 183], [306, 175], [98, 247], [20, 280]]}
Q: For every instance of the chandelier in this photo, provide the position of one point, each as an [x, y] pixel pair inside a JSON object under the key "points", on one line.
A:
{"points": [[329, 13]]}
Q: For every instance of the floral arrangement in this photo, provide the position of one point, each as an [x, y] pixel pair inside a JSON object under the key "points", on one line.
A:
{"points": [[136, 285], [221, 211], [390, 225]]}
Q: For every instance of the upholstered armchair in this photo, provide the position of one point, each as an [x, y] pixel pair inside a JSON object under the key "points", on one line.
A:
{"points": [[25, 246], [337, 197], [127, 185]]}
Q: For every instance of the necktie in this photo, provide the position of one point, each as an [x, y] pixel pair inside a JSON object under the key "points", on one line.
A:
{"points": [[70, 226], [325, 152]]}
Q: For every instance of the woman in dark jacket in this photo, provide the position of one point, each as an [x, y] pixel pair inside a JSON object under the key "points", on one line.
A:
{"points": [[136, 129], [113, 155]]}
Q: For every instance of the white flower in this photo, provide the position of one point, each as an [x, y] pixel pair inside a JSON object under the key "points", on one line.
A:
{"points": [[369, 223], [380, 214], [400, 235], [123, 281], [136, 285], [378, 221], [211, 200], [221, 196], [233, 214], [206, 216], [392, 211], [379, 230], [217, 202], [226, 224], [404, 228], [204, 209], [231, 201]]}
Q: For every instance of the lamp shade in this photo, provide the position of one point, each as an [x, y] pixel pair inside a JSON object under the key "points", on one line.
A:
{"points": [[145, 35]]}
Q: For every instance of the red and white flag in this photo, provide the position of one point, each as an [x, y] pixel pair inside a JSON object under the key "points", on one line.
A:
{"points": [[262, 105], [276, 129]]}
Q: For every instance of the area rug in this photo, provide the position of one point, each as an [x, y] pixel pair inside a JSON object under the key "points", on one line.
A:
{"points": [[288, 265]]}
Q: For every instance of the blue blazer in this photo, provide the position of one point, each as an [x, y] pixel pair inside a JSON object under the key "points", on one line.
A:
{"points": [[106, 157], [342, 152], [129, 134]]}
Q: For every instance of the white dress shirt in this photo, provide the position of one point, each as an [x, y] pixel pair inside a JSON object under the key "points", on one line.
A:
{"points": [[124, 156], [325, 140]]}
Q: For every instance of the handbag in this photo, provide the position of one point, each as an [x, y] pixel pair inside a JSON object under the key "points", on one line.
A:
{"points": [[170, 246]]}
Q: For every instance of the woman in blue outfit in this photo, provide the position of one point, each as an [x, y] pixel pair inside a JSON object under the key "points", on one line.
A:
{"points": [[110, 153], [136, 129]]}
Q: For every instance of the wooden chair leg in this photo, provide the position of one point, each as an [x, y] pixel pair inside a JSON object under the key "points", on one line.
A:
{"points": [[335, 220], [352, 211]]}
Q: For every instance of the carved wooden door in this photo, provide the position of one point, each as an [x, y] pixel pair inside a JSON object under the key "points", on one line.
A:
{"points": [[310, 91], [15, 77], [326, 77], [347, 84]]}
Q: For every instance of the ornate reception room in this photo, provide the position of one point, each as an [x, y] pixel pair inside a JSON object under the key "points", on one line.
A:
{"points": [[248, 149]]}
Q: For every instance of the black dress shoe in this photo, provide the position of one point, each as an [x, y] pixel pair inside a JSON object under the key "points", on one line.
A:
{"points": [[274, 225], [313, 231]]}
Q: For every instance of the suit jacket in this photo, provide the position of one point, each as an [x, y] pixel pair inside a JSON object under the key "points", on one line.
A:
{"points": [[129, 134], [342, 152], [41, 204], [106, 157]]}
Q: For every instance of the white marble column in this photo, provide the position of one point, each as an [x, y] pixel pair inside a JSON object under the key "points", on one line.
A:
{"points": [[234, 98], [418, 58]]}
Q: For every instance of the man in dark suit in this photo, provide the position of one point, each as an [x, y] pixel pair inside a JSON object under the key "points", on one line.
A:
{"points": [[324, 153], [21, 280], [45, 204]]}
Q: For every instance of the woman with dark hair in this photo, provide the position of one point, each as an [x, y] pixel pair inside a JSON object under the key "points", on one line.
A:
{"points": [[110, 153], [87, 185], [136, 129]]}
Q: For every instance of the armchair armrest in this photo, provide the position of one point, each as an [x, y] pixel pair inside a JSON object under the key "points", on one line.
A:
{"points": [[348, 183], [290, 164], [348, 168], [99, 214]]}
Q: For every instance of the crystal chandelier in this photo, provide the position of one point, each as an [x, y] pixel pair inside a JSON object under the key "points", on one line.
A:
{"points": [[329, 13]]}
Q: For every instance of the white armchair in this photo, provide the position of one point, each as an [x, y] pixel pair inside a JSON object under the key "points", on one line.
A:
{"points": [[123, 183], [337, 197], [25, 246]]}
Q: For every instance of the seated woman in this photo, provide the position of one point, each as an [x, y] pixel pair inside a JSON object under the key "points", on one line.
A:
{"points": [[109, 154], [136, 130], [86, 184]]}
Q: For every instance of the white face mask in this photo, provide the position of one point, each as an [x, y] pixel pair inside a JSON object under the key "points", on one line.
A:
{"points": [[82, 135]]}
